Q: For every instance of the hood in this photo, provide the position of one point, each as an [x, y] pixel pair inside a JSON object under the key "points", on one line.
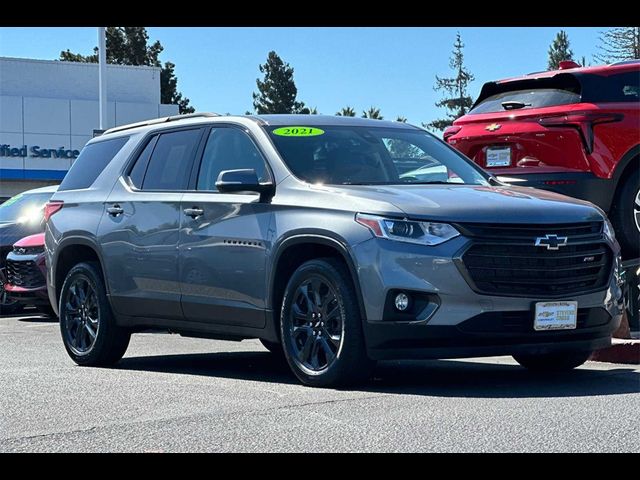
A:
{"points": [[473, 203], [11, 232], [36, 240]]}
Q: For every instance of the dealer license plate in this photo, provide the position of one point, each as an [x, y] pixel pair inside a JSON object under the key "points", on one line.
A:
{"points": [[498, 156], [555, 316]]}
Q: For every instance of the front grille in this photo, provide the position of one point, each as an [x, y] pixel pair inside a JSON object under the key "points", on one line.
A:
{"points": [[503, 260], [24, 274]]}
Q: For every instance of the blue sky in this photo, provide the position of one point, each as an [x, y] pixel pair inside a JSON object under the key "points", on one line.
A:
{"points": [[391, 68]]}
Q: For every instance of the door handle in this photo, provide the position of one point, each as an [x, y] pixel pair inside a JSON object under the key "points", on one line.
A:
{"points": [[115, 210], [194, 212]]}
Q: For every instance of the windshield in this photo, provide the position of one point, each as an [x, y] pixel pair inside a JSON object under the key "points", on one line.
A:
{"points": [[24, 207], [347, 155]]}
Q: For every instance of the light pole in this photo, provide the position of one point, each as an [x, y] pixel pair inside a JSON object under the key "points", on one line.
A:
{"points": [[102, 77]]}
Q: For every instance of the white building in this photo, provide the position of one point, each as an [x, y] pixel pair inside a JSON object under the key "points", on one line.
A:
{"points": [[49, 109]]}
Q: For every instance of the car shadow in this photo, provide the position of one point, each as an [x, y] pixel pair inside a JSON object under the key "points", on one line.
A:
{"points": [[445, 378], [37, 318]]}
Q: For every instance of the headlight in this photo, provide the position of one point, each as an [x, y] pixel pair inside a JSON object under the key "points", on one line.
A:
{"points": [[608, 231], [423, 233]]}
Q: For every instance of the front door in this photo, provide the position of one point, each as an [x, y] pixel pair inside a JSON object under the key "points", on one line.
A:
{"points": [[224, 237]]}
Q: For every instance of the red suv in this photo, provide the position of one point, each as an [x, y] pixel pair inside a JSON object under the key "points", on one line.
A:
{"points": [[575, 130]]}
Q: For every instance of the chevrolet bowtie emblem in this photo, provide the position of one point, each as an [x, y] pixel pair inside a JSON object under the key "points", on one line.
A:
{"points": [[493, 127], [551, 242]]}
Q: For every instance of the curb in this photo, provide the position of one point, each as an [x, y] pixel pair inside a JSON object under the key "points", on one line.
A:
{"points": [[620, 351]]}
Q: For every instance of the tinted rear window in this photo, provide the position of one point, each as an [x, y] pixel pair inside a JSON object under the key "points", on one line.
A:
{"points": [[92, 160], [170, 164], [530, 93]]}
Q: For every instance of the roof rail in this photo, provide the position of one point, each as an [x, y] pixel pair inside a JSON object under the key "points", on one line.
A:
{"points": [[155, 121], [625, 62]]}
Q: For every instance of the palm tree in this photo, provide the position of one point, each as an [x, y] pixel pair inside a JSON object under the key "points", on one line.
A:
{"points": [[346, 112], [401, 119], [313, 111], [373, 113]]}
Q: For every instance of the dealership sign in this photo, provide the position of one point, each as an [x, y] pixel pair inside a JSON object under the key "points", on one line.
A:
{"points": [[37, 152]]}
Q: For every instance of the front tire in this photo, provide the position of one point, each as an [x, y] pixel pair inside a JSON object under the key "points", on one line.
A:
{"points": [[321, 326], [553, 362], [89, 331], [625, 216]]}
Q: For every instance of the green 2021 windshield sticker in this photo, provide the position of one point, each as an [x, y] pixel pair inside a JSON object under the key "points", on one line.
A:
{"points": [[298, 131]]}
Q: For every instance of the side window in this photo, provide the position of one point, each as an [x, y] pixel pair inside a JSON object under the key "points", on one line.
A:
{"points": [[91, 162], [169, 166], [139, 169], [228, 149], [623, 87]]}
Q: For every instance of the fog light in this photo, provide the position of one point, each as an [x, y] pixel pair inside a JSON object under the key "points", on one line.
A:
{"points": [[402, 302]]}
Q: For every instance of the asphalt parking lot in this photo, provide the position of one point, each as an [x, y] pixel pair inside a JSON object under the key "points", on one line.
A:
{"points": [[178, 394]]}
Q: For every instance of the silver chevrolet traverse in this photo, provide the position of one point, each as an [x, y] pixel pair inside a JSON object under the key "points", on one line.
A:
{"points": [[336, 241]]}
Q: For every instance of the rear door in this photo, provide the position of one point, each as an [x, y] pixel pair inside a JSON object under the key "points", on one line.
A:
{"points": [[223, 244], [140, 229]]}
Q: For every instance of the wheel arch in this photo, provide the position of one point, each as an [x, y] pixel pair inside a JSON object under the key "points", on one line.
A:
{"points": [[70, 252], [297, 249], [627, 163]]}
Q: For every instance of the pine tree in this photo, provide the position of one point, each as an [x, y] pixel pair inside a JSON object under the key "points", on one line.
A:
{"points": [[129, 46], [457, 102], [277, 91], [559, 50], [346, 112], [619, 44]]}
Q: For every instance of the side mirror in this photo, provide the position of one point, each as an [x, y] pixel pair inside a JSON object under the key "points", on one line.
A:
{"points": [[242, 181]]}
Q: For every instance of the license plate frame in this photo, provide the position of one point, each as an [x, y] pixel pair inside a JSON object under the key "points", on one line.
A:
{"points": [[558, 315], [498, 156]]}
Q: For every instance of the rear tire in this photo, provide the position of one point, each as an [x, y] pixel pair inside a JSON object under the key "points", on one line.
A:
{"points": [[89, 330], [553, 362], [625, 216], [321, 326]]}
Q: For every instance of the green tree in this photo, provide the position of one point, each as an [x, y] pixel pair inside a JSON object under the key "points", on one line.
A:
{"points": [[277, 91], [346, 112], [456, 101], [559, 50], [373, 113], [129, 46], [619, 44]]}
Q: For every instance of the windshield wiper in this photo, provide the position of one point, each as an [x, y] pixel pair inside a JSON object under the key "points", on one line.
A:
{"points": [[514, 105]]}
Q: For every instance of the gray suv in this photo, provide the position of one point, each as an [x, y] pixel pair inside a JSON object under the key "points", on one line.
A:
{"points": [[335, 241]]}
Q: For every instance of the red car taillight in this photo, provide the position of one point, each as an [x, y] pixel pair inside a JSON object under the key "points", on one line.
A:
{"points": [[52, 207], [450, 131], [583, 122]]}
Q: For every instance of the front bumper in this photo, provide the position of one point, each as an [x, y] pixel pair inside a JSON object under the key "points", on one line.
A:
{"points": [[28, 296], [385, 266], [31, 270]]}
